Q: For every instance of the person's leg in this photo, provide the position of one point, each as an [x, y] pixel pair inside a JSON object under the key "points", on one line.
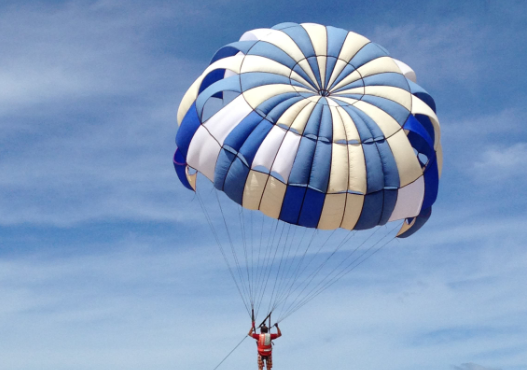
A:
{"points": [[260, 363], [269, 362]]}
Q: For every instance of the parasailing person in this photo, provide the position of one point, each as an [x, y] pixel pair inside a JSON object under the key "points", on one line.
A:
{"points": [[265, 344]]}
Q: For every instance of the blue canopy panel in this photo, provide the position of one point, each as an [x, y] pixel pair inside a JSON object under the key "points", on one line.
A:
{"points": [[266, 108], [419, 139], [301, 171], [256, 79], [236, 156], [377, 209], [292, 203], [368, 53], [313, 63], [213, 76], [391, 180], [336, 38], [364, 131], [302, 39], [374, 172], [275, 111], [415, 127], [223, 164], [427, 124], [299, 180], [187, 129], [325, 130], [180, 166], [298, 69], [349, 69], [238, 136], [354, 84], [311, 208], [371, 211], [272, 52], [232, 49], [397, 111], [387, 79], [254, 140], [313, 123], [389, 166], [419, 221], [228, 84], [281, 26], [235, 181], [382, 184], [366, 123], [230, 175], [422, 94], [389, 201], [431, 175], [242, 143], [320, 169]]}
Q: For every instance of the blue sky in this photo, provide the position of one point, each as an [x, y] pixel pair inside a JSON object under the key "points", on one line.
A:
{"points": [[106, 261]]}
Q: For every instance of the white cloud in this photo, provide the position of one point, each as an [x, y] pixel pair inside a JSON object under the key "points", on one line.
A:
{"points": [[472, 366], [124, 303], [58, 53], [486, 127], [88, 115], [462, 51], [77, 51], [498, 164], [429, 50], [88, 135], [484, 160]]}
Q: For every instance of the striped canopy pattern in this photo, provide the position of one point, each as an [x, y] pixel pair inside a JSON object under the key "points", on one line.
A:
{"points": [[315, 126]]}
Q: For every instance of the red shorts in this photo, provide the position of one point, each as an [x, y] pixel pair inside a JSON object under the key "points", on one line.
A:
{"points": [[268, 360]]}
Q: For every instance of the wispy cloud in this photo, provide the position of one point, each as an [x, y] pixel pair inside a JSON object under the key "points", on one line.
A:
{"points": [[502, 164], [106, 262], [88, 115], [485, 153], [434, 52], [72, 52], [127, 301], [473, 366]]}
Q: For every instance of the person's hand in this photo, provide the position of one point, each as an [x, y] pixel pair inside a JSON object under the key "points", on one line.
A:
{"points": [[254, 324], [276, 325]]}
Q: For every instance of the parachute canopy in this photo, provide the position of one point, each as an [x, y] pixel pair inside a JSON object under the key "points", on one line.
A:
{"points": [[315, 126]]}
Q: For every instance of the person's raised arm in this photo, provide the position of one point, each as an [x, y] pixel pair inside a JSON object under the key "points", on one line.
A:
{"points": [[278, 330], [252, 329]]}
